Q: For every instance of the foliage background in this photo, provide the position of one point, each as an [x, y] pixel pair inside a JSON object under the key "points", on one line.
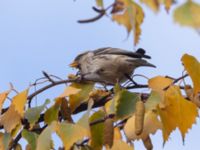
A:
{"points": [[41, 35]]}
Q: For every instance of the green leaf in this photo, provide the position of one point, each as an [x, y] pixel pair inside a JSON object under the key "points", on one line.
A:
{"points": [[52, 113], [31, 138], [69, 133], [84, 120], [97, 130], [125, 102], [33, 114], [153, 100]]}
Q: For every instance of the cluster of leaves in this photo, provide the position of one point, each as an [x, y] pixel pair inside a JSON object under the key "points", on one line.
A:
{"points": [[130, 13], [115, 112]]}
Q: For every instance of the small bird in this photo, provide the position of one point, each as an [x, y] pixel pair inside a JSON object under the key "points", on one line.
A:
{"points": [[109, 65]]}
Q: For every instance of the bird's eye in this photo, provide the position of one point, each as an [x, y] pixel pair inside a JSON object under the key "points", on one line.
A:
{"points": [[101, 70]]}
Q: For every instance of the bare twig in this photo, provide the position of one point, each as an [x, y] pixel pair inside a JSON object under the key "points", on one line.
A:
{"points": [[101, 13], [48, 77], [176, 80], [30, 97]]}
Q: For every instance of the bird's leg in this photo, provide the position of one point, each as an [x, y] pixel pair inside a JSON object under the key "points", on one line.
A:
{"points": [[128, 77]]}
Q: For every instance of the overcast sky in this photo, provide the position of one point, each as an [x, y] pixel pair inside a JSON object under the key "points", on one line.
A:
{"points": [[38, 35]]}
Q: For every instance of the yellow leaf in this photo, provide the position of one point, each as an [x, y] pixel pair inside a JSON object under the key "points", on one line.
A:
{"points": [[98, 94], [16, 130], [158, 83], [15, 111], [19, 102], [168, 4], [121, 145], [44, 139], [69, 133], [188, 14], [192, 66], [84, 120], [151, 125], [82, 96], [70, 90], [3, 97], [168, 118], [10, 119], [179, 113], [131, 18], [117, 134], [153, 4]]}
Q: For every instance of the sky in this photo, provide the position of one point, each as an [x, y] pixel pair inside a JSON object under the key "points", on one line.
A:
{"points": [[39, 35]]}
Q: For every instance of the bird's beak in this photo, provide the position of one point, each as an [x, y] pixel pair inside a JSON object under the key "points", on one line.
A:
{"points": [[74, 64], [150, 65]]}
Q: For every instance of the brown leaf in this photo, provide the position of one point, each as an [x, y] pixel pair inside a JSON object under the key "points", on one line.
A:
{"points": [[65, 111]]}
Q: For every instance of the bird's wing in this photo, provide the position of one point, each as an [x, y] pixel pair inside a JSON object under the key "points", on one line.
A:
{"points": [[140, 53]]}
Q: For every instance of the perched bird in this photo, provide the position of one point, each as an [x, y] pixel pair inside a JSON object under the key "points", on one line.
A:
{"points": [[109, 65]]}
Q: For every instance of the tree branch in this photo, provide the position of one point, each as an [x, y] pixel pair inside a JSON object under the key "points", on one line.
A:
{"points": [[55, 83]]}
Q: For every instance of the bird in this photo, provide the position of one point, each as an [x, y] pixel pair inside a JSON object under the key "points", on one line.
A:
{"points": [[110, 65]]}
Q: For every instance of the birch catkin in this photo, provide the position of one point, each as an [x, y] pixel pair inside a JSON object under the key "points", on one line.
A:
{"points": [[147, 143], [108, 132], [139, 117]]}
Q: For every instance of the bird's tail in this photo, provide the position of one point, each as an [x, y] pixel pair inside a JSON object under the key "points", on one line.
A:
{"points": [[140, 63]]}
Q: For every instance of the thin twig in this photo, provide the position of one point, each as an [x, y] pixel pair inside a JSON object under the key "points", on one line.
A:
{"points": [[101, 13], [48, 77], [175, 81], [30, 97]]}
